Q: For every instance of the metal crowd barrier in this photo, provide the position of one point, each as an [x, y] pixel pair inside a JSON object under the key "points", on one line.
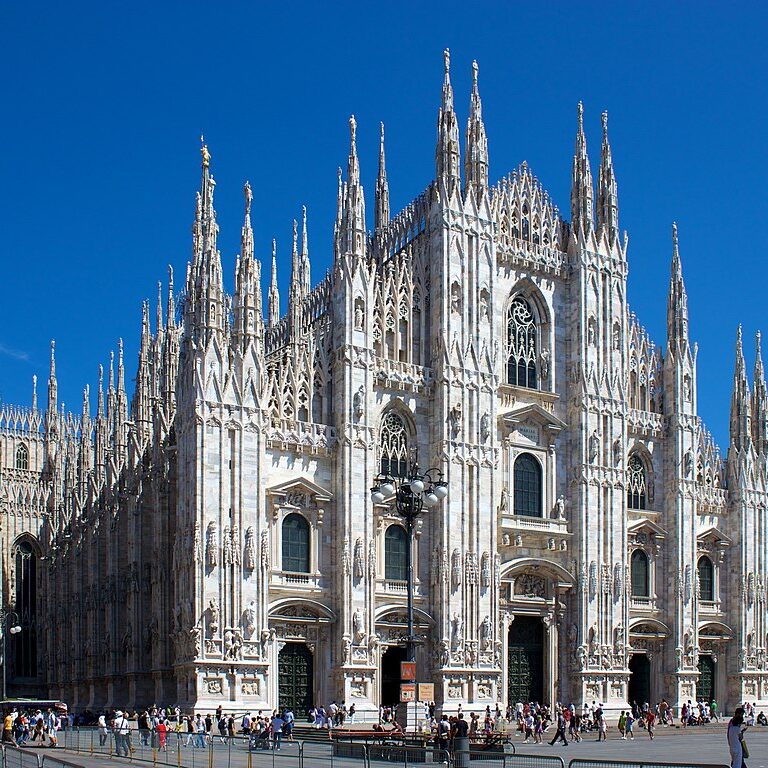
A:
{"points": [[586, 763]]}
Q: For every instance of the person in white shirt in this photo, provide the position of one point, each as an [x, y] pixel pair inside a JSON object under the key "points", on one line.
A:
{"points": [[122, 735], [103, 732]]}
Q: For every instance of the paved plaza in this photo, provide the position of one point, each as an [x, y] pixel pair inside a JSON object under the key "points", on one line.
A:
{"points": [[705, 745]]}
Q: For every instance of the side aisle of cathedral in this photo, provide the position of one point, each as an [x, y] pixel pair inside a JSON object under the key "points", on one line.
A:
{"points": [[213, 541]]}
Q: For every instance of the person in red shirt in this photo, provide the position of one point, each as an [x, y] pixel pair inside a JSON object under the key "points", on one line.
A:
{"points": [[650, 719], [162, 733]]}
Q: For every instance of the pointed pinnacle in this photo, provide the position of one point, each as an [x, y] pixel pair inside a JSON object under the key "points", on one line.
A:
{"points": [[604, 120], [248, 198], [447, 61]]}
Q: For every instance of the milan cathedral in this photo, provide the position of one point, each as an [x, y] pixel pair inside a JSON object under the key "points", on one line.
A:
{"points": [[212, 540]]}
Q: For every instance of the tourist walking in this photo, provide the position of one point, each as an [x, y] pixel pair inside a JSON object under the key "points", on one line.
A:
{"points": [[622, 725], [602, 725], [650, 720], [629, 726], [560, 732], [122, 737], [735, 735], [103, 731]]}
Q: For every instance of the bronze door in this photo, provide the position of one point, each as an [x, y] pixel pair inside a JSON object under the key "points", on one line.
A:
{"points": [[525, 660], [295, 679]]}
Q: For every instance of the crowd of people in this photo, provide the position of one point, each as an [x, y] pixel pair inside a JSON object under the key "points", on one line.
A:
{"points": [[535, 723]]}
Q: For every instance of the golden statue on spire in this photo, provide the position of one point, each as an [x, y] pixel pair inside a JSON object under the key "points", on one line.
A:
{"points": [[204, 152]]}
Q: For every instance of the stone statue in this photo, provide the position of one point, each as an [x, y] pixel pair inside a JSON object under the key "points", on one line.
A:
{"points": [[358, 625], [265, 550], [504, 503], [359, 315], [544, 365], [457, 630], [227, 546], [594, 446], [485, 427], [235, 539], [358, 403], [559, 508], [618, 647], [486, 634], [485, 570], [617, 452], [454, 418], [213, 616], [250, 618]]}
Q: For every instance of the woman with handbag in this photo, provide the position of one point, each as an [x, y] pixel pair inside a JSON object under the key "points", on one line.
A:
{"points": [[736, 745]]}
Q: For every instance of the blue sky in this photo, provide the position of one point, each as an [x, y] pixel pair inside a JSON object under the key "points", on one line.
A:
{"points": [[104, 104]]}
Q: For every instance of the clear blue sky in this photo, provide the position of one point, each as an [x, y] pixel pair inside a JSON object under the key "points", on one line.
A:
{"points": [[104, 104]]}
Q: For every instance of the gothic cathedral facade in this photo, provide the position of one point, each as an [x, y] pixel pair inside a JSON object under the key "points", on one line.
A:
{"points": [[213, 541]]}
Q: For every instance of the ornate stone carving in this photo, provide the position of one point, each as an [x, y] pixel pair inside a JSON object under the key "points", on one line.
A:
{"points": [[485, 570], [213, 616], [358, 625], [618, 583], [212, 545], [454, 420], [265, 565], [456, 568], [485, 427], [530, 585], [486, 634], [457, 630], [197, 545], [249, 555], [592, 580], [358, 403], [359, 560], [471, 567]]}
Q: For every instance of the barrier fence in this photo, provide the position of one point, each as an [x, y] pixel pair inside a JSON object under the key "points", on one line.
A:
{"points": [[247, 753]]}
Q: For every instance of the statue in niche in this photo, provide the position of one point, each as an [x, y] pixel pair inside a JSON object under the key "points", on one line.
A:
{"points": [[359, 314], [358, 625], [504, 503], [484, 310], [250, 618], [559, 510], [618, 647], [617, 452], [687, 463], [485, 427], [454, 419], [616, 336], [457, 630], [486, 634], [213, 616], [358, 403], [544, 365], [455, 298], [594, 446], [591, 332]]}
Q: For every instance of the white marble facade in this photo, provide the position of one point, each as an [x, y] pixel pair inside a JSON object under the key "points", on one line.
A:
{"points": [[223, 531]]}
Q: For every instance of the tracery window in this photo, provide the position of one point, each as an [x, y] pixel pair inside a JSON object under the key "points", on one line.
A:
{"points": [[521, 345], [395, 554], [527, 481], [706, 579], [295, 543], [393, 446], [640, 574], [25, 642], [636, 483], [22, 457]]}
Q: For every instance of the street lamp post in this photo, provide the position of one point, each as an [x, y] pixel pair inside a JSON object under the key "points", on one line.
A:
{"points": [[14, 629], [410, 495]]}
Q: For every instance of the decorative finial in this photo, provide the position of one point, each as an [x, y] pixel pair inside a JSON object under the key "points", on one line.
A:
{"points": [[381, 133], [447, 60], [580, 113], [474, 74], [53, 357], [295, 235], [34, 392], [604, 120], [204, 152], [352, 128], [248, 197]]}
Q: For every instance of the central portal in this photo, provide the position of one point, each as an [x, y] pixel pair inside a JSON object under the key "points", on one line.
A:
{"points": [[639, 680], [390, 675], [295, 675], [525, 656]]}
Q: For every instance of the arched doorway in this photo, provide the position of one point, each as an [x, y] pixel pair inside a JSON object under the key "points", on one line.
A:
{"points": [[295, 676], [639, 680], [390, 674], [525, 657], [705, 688]]}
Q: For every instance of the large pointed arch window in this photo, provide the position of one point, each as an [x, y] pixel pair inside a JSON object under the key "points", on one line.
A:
{"points": [[527, 481], [706, 579], [637, 485], [393, 446], [295, 544], [640, 574], [25, 642], [522, 347]]}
